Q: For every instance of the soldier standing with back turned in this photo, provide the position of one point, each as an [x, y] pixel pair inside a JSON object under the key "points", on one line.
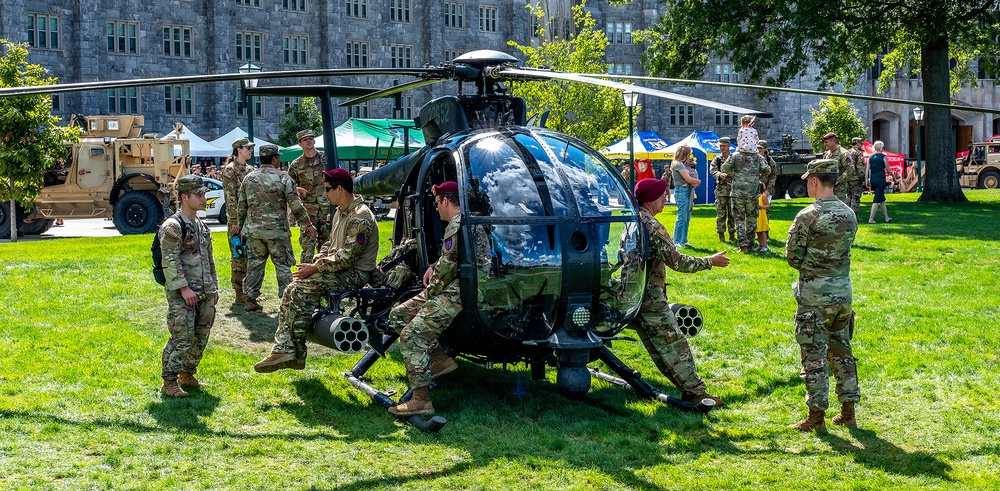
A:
{"points": [[307, 173], [819, 247], [746, 169], [857, 177], [723, 188]]}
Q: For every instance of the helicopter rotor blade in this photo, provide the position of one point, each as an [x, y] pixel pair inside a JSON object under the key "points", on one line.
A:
{"points": [[392, 91], [537, 74]]}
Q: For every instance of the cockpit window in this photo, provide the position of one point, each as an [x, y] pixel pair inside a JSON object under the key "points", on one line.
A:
{"points": [[505, 180], [590, 179]]}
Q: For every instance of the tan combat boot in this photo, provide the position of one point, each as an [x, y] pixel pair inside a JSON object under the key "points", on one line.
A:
{"points": [[240, 296], [275, 361], [441, 363], [187, 380], [251, 305], [420, 403], [171, 389], [815, 421], [697, 398], [846, 416]]}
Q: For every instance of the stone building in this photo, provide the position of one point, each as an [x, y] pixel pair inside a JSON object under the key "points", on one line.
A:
{"points": [[116, 39]]}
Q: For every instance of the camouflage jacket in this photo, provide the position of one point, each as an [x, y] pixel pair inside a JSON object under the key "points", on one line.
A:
{"points": [[722, 186], [307, 173], [845, 169], [771, 178], [353, 240], [446, 267], [858, 172], [663, 253], [232, 177], [819, 246], [265, 197], [188, 260], [747, 174]]}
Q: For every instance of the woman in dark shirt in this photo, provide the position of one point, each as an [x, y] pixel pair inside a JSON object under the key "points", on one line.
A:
{"points": [[875, 173]]}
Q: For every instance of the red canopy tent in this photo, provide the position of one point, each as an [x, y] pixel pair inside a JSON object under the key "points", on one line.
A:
{"points": [[895, 162]]}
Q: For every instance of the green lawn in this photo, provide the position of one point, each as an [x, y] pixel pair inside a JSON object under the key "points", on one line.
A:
{"points": [[82, 326]]}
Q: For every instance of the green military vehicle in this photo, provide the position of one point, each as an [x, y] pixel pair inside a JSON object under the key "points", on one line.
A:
{"points": [[790, 167], [115, 172]]}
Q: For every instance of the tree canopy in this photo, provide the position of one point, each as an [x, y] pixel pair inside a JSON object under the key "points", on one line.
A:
{"points": [[595, 115], [835, 114], [773, 42], [303, 116]]}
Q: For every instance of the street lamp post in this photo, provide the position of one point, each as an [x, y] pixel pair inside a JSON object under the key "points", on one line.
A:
{"points": [[631, 98], [918, 114], [249, 83]]}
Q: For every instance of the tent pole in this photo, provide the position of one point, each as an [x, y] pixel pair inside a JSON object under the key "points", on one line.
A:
{"points": [[330, 137]]}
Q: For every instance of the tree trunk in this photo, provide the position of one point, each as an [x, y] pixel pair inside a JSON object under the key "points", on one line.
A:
{"points": [[13, 216], [941, 178]]}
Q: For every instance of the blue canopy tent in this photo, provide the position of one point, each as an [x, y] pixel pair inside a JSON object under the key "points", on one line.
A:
{"points": [[648, 145], [704, 147]]}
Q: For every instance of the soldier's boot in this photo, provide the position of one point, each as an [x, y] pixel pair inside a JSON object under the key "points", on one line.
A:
{"points": [[815, 421], [251, 305], [171, 389], [420, 403], [441, 363], [187, 380], [698, 398], [240, 296], [846, 416], [274, 362], [731, 237], [722, 237]]}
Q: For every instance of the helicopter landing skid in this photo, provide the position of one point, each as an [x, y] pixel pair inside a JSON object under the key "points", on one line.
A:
{"points": [[632, 378]]}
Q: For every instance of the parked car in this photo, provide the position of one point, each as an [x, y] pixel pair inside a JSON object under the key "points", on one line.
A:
{"points": [[215, 201]]}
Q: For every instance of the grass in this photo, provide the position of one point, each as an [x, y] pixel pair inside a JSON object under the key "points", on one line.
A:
{"points": [[82, 327]]}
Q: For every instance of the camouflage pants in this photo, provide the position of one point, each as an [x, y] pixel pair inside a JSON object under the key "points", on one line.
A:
{"points": [[825, 346], [319, 215], [301, 299], [724, 215], [843, 192], [238, 268], [745, 216], [189, 328], [669, 349], [258, 250], [420, 321], [855, 197]]}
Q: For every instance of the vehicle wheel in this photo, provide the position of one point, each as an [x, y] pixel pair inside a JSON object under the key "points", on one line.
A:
{"points": [[798, 189], [37, 226], [989, 180], [137, 212], [5, 221], [223, 218]]}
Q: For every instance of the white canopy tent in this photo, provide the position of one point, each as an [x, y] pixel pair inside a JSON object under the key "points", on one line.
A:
{"points": [[226, 141], [199, 147]]}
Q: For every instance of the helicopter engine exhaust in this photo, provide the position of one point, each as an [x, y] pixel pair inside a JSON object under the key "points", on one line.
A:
{"points": [[345, 334], [689, 318]]}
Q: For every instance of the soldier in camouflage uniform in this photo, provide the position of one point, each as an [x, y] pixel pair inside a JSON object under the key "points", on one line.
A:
{"points": [[191, 287], [845, 167], [723, 188], [233, 173], [307, 174], [345, 262], [422, 319], [819, 247], [747, 171], [855, 189], [265, 197], [656, 324]]}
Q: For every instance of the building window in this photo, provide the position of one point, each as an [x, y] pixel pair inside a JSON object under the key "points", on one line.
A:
{"points": [[399, 11], [123, 101], [454, 15], [178, 100], [359, 111], [357, 8], [534, 26], [299, 5], [357, 54], [451, 54], [724, 72], [248, 46], [726, 118], [620, 69], [258, 107], [681, 115], [248, 3], [177, 41], [295, 50], [402, 55], [619, 32], [56, 103], [292, 101], [406, 107], [43, 31], [488, 18], [122, 37]]}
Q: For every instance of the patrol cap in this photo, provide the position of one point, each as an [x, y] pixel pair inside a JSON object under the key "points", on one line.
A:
{"points": [[856, 140], [305, 134], [242, 142], [761, 143], [821, 166], [648, 190], [724, 139], [447, 187], [190, 184], [336, 174], [829, 135], [268, 150]]}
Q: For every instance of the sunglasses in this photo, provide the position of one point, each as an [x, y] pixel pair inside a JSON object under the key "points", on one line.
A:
{"points": [[328, 188]]}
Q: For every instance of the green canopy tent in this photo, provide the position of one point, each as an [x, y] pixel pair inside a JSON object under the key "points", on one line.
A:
{"points": [[367, 139]]}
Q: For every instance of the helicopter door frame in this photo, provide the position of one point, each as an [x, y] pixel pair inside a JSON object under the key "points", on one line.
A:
{"points": [[428, 222]]}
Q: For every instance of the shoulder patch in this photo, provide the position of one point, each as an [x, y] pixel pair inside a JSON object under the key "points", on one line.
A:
{"points": [[660, 229], [447, 244], [173, 230], [361, 239]]}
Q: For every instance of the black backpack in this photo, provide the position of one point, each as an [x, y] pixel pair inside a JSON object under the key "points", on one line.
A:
{"points": [[158, 253]]}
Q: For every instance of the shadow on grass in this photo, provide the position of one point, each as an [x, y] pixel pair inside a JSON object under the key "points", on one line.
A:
{"points": [[184, 413], [260, 326], [877, 453]]}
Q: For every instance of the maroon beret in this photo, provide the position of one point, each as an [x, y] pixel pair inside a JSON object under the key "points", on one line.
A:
{"points": [[648, 190], [447, 187], [335, 174], [829, 135]]}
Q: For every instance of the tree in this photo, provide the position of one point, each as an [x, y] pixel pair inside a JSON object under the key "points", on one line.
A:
{"points": [[30, 140], [304, 116], [774, 42], [835, 114], [596, 116]]}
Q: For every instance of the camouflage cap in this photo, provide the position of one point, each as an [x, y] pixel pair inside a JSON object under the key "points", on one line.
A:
{"points": [[268, 150], [242, 142], [761, 143], [856, 140], [724, 139], [190, 184], [821, 166], [305, 134]]}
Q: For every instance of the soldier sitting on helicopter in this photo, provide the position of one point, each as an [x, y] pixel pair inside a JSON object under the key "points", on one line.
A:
{"points": [[656, 324], [346, 261]]}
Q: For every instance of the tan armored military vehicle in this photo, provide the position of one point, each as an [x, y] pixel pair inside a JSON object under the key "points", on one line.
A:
{"points": [[113, 172], [981, 167]]}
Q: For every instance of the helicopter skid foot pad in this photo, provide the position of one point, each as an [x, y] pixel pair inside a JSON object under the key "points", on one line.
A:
{"points": [[432, 425]]}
